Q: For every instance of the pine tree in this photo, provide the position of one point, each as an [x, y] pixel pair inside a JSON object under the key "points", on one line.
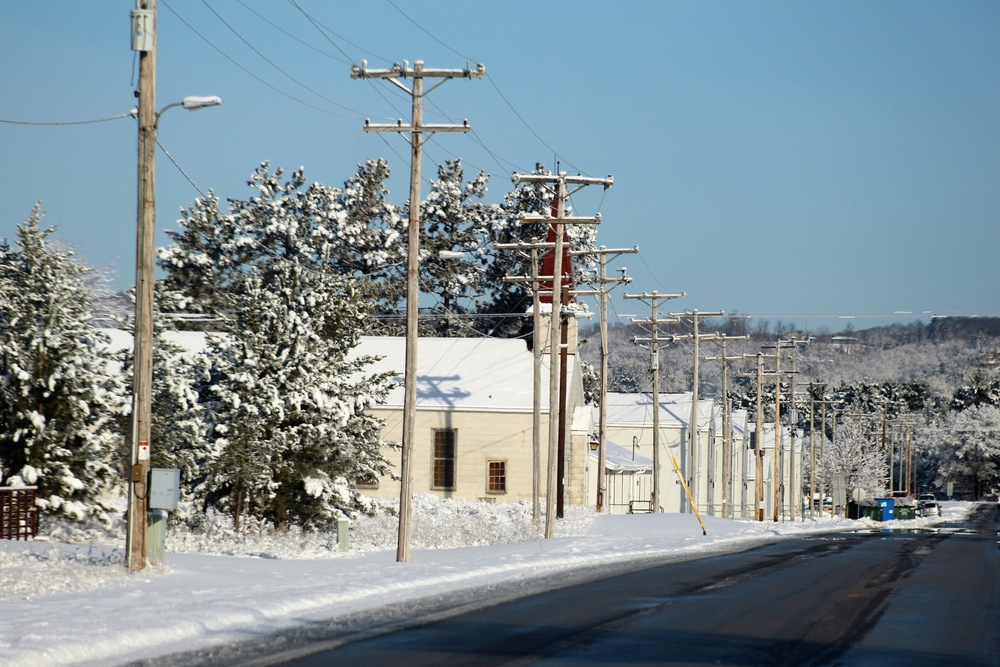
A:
{"points": [[455, 220], [291, 433], [61, 392], [353, 229], [971, 454]]}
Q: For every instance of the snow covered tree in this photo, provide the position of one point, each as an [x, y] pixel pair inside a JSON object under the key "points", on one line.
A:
{"points": [[61, 391], [288, 401], [178, 425], [856, 453], [971, 454], [455, 220], [353, 229]]}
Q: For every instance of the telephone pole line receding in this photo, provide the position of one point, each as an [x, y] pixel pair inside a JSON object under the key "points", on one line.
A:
{"points": [[534, 280], [727, 424], [416, 130], [604, 285], [694, 458], [654, 340], [557, 220]]}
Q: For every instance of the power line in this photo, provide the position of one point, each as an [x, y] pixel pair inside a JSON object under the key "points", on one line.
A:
{"points": [[174, 162], [274, 65], [285, 32], [63, 123], [323, 30], [255, 76]]}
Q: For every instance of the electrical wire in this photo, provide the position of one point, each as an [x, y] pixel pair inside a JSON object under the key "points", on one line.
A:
{"points": [[183, 173], [288, 34], [275, 66], [64, 123], [252, 74]]}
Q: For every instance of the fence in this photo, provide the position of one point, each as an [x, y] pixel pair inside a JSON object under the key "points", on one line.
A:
{"points": [[18, 514]]}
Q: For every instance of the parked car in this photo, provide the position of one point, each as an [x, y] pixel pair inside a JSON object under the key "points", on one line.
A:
{"points": [[929, 508], [926, 498]]}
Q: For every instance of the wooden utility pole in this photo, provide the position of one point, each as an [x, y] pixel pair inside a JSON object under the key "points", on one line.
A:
{"points": [[758, 511], [727, 423], [654, 341], [144, 41], [534, 280], [693, 454], [604, 286], [416, 130], [558, 222], [778, 463]]}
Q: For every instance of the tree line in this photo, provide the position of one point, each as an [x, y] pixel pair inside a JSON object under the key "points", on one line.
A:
{"points": [[272, 419]]}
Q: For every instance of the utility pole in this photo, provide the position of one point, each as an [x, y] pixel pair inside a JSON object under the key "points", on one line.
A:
{"points": [[558, 222], [758, 511], [778, 463], [604, 285], [727, 422], [416, 130], [535, 281], [795, 488], [144, 41], [654, 341], [693, 455]]}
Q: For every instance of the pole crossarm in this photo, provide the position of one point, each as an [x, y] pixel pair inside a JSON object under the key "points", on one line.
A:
{"points": [[532, 219]]}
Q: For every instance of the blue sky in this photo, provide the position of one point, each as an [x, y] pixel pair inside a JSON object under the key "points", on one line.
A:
{"points": [[803, 161]]}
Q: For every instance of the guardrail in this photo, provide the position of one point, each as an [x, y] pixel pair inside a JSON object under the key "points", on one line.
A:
{"points": [[18, 513]]}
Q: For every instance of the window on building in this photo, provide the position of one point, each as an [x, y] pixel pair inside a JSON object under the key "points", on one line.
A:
{"points": [[496, 477], [445, 453]]}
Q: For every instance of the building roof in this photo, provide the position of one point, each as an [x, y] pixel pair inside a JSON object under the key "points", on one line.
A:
{"points": [[626, 409], [471, 374], [494, 374], [619, 458]]}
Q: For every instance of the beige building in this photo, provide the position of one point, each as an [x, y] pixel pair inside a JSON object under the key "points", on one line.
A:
{"points": [[474, 413]]}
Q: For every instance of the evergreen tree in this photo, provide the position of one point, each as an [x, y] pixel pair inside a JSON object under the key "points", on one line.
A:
{"points": [[353, 229], [455, 220], [971, 454], [856, 454], [61, 393], [288, 401]]}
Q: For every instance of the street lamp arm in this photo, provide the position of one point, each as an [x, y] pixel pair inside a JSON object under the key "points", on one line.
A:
{"points": [[192, 103]]}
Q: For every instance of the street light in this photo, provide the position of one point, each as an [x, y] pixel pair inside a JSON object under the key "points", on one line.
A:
{"points": [[142, 383]]}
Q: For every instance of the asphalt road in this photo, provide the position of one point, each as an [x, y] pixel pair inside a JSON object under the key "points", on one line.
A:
{"points": [[929, 597]]}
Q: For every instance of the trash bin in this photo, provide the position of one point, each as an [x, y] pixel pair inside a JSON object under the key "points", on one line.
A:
{"points": [[904, 512], [865, 509], [156, 536], [888, 506]]}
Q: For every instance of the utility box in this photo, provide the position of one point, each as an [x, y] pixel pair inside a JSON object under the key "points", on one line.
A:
{"points": [[164, 488], [143, 29]]}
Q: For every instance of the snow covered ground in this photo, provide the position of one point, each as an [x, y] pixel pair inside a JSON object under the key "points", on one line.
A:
{"points": [[67, 599]]}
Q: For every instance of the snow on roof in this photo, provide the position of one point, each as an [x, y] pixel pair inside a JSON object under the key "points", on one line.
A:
{"points": [[464, 373], [192, 342], [453, 373], [626, 409], [624, 458]]}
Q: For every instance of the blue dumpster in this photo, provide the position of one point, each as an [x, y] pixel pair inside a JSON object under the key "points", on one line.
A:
{"points": [[888, 506]]}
